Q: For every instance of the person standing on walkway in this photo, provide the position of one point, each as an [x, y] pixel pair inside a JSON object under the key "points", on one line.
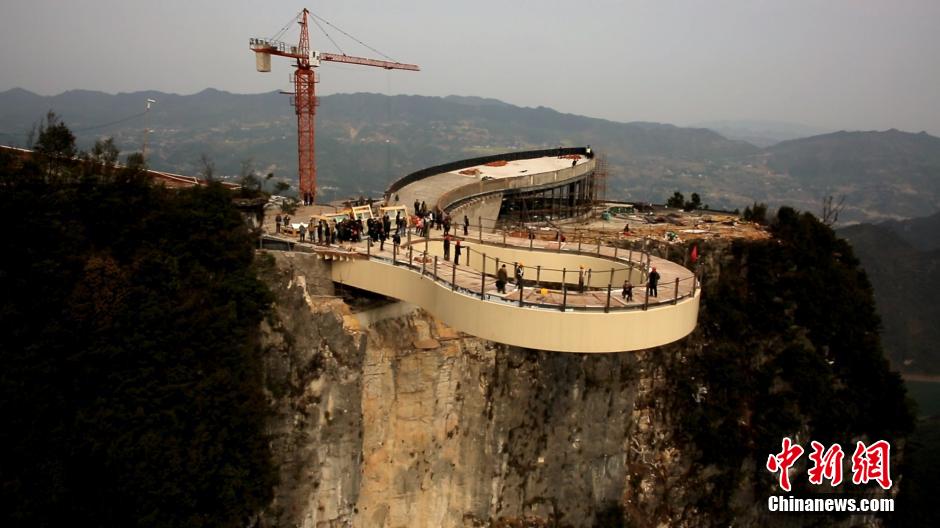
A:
{"points": [[417, 208], [447, 247], [520, 272], [627, 290], [502, 276], [303, 231], [277, 223], [581, 279], [651, 282], [457, 252], [466, 224]]}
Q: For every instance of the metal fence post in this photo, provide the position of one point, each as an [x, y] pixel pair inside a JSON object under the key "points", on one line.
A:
{"points": [[675, 298], [480, 224], [607, 308], [435, 267], [395, 255], [424, 263], [453, 278], [615, 251], [410, 259], [564, 289], [483, 278], [538, 275], [521, 291], [598, 245]]}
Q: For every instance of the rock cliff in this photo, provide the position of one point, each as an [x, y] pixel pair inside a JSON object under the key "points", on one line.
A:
{"points": [[388, 418]]}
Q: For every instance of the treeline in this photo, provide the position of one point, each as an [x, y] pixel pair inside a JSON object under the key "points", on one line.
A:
{"points": [[790, 346], [131, 385]]}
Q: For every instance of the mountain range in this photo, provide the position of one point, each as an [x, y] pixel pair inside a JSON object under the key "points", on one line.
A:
{"points": [[366, 141], [902, 260]]}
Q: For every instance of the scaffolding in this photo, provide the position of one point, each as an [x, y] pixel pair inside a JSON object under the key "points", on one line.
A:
{"points": [[600, 180], [570, 200]]}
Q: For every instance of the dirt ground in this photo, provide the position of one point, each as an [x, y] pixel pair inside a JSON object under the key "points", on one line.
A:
{"points": [[666, 225]]}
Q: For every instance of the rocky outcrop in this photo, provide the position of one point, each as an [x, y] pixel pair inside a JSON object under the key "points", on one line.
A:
{"points": [[313, 370], [407, 423]]}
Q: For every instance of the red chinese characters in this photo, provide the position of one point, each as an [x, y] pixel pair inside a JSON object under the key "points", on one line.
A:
{"points": [[869, 463], [783, 461], [827, 464], [872, 463]]}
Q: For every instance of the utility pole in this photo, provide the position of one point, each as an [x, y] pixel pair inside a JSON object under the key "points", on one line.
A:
{"points": [[146, 128]]}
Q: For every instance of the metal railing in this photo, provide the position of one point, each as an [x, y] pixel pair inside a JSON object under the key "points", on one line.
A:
{"points": [[481, 284]]}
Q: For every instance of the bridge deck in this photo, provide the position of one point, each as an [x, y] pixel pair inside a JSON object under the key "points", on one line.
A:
{"points": [[550, 316]]}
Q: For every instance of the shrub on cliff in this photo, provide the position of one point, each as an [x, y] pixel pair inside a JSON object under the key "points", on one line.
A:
{"points": [[131, 390], [790, 343]]}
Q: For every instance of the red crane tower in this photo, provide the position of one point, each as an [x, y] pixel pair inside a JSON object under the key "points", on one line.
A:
{"points": [[305, 99]]}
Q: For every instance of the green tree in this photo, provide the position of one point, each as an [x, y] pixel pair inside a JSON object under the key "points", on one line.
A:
{"points": [[756, 213], [676, 200], [136, 162], [131, 390], [55, 140], [105, 152], [207, 167], [281, 186], [789, 338]]}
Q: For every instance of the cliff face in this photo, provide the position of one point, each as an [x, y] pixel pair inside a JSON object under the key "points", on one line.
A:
{"points": [[406, 423], [444, 429]]}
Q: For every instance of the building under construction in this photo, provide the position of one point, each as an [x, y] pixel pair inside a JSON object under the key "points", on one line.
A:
{"points": [[509, 189]]}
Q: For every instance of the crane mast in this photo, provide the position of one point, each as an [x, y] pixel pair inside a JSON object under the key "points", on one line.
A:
{"points": [[305, 99]]}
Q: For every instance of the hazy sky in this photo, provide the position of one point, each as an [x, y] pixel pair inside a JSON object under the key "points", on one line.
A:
{"points": [[852, 64]]}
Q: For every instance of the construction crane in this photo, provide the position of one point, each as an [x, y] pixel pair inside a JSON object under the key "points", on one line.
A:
{"points": [[305, 100]]}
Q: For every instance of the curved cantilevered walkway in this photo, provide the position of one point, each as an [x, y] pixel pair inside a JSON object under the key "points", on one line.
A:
{"points": [[549, 310]]}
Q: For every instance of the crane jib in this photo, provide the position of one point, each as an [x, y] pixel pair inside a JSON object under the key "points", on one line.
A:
{"points": [[304, 94]]}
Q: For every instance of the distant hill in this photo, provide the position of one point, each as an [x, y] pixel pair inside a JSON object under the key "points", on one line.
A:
{"points": [[761, 133], [906, 280], [882, 171], [921, 233], [365, 141]]}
